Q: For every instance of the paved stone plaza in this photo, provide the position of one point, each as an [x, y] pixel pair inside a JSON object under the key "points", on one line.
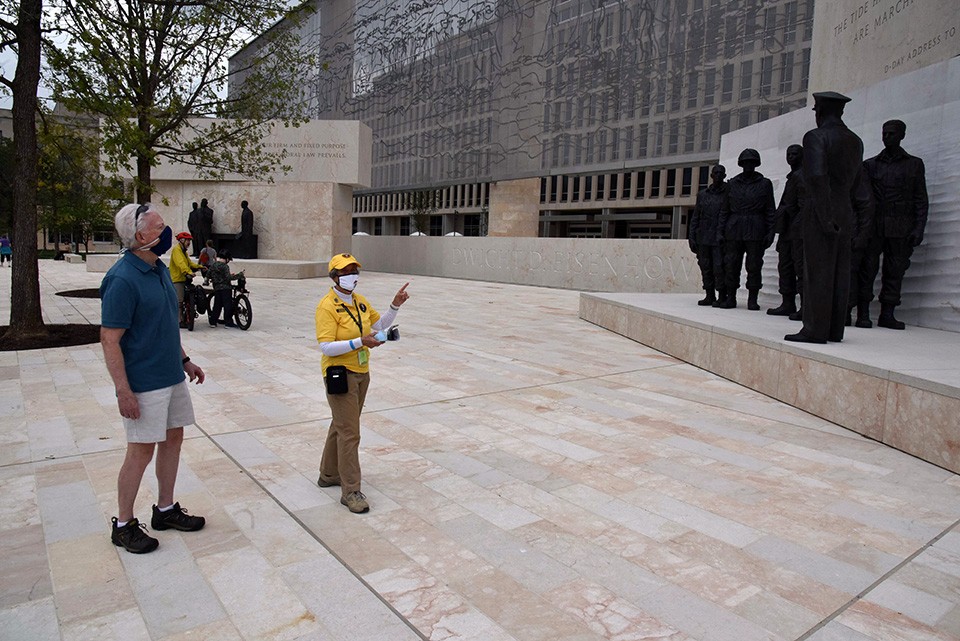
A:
{"points": [[532, 477]]}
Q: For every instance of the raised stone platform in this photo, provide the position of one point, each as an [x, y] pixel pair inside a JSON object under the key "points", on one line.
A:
{"points": [[900, 388], [257, 268]]}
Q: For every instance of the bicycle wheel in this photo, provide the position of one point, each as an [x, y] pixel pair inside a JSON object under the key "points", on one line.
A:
{"points": [[200, 299], [242, 312]]}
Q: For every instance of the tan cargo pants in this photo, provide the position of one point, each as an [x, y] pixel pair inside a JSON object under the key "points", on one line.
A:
{"points": [[341, 453]]}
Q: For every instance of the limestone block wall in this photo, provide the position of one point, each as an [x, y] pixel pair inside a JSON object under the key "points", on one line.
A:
{"points": [[515, 208], [294, 221], [600, 265]]}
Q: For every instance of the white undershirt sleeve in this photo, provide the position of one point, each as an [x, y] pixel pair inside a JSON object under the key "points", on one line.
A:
{"points": [[339, 348], [386, 320]]}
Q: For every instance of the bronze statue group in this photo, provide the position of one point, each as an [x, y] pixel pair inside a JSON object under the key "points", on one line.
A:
{"points": [[838, 216], [200, 225]]}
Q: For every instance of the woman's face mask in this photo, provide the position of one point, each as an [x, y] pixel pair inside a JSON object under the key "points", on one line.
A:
{"points": [[348, 282]]}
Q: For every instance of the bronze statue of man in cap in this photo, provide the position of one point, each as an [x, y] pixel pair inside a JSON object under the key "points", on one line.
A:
{"points": [[833, 175]]}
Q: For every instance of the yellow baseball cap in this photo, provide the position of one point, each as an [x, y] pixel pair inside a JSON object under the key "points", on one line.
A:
{"points": [[342, 260]]}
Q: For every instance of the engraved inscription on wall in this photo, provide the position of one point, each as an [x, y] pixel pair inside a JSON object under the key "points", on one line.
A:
{"points": [[309, 149], [860, 42]]}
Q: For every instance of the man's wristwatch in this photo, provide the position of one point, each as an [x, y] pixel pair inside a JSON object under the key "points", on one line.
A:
{"points": [[186, 359]]}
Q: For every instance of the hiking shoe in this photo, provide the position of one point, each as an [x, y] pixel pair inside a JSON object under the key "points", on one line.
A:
{"points": [[176, 518], [133, 537], [356, 502], [327, 481]]}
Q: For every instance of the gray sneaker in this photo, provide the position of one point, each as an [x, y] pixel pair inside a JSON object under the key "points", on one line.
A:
{"points": [[327, 481], [356, 502]]}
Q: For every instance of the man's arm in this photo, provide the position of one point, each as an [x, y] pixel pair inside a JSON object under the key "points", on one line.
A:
{"points": [[769, 213], [722, 218], [181, 261], [127, 402], [817, 182], [863, 209], [192, 369]]}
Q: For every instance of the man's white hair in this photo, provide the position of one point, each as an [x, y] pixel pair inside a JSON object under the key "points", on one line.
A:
{"points": [[128, 224]]}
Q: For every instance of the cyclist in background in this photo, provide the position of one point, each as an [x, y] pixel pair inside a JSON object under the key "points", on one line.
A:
{"points": [[180, 264], [220, 276]]}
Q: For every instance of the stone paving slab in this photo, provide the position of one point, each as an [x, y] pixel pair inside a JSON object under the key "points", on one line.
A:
{"points": [[532, 477]]}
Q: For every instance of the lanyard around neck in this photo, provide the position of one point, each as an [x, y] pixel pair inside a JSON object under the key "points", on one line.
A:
{"points": [[359, 319]]}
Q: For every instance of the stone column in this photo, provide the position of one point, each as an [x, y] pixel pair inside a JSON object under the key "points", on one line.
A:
{"points": [[515, 208], [608, 227], [675, 221], [311, 221]]}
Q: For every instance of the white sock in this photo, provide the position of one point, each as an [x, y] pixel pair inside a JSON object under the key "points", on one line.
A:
{"points": [[165, 509], [120, 525]]}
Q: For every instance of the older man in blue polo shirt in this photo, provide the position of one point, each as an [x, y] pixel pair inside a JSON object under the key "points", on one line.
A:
{"points": [[140, 335]]}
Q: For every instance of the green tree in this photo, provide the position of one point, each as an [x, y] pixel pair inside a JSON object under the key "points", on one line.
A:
{"points": [[20, 32], [74, 198], [423, 204], [155, 72]]}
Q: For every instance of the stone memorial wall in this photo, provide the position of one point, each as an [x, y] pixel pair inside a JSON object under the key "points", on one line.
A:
{"points": [[599, 265], [857, 43], [302, 214]]}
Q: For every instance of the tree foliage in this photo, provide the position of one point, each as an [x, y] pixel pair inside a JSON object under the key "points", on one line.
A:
{"points": [[74, 197], [156, 73], [423, 204]]}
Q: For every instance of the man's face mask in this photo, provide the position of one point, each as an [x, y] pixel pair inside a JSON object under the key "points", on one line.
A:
{"points": [[161, 243], [348, 282]]}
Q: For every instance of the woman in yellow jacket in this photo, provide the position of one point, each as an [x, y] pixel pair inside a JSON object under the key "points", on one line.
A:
{"points": [[346, 331]]}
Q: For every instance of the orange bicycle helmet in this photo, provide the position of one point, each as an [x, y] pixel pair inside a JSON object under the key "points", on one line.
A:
{"points": [[183, 235]]}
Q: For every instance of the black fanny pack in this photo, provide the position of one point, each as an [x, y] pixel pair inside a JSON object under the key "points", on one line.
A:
{"points": [[336, 379]]}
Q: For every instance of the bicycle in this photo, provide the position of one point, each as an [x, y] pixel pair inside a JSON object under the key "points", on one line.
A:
{"points": [[242, 310], [194, 303]]}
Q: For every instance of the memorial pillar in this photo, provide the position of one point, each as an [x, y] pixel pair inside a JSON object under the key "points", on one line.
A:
{"points": [[515, 208]]}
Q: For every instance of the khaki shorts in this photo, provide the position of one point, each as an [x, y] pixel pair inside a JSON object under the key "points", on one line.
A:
{"points": [[179, 288], [160, 410]]}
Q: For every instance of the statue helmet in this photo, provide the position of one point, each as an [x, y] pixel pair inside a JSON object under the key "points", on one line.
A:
{"points": [[751, 156]]}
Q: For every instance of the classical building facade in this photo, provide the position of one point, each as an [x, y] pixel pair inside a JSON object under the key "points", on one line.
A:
{"points": [[560, 118]]}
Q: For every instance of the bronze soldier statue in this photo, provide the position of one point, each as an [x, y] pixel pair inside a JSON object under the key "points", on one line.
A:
{"points": [[746, 227], [790, 240], [900, 192], [193, 226], [832, 173], [704, 234], [204, 225], [245, 237], [864, 253]]}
